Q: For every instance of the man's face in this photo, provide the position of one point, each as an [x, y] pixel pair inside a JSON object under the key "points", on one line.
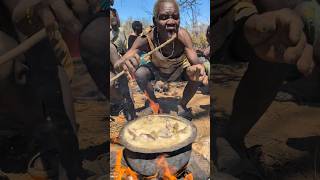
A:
{"points": [[168, 19]]}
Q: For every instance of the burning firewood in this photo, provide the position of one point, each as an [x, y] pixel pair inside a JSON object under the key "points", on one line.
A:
{"points": [[120, 172], [154, 106], [167, 170]]}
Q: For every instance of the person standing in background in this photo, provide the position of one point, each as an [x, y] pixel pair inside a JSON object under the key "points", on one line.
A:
{"points": [[137, 30], [117, 36]]}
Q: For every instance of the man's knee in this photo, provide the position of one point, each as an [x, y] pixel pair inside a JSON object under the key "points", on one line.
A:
{"points": [[143, 75]]}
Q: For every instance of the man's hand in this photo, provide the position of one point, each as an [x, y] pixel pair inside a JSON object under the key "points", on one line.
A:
{"points": [[129, 65], [278, 36], [197, 73], [29, 12]]}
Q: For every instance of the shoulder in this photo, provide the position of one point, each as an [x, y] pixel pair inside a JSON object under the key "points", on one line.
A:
{"points": [[183, 33], [147, 30], [184, 36], [132, 36]]}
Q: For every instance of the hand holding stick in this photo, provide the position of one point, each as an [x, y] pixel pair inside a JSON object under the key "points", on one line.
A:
{"points": [[147, 54]]}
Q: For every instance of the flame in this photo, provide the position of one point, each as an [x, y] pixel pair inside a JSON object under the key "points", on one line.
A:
{"points": [[154, 106], [120, 119], [163, 164], [167, 170], [120, 171], [189, 177], [127, 173]]}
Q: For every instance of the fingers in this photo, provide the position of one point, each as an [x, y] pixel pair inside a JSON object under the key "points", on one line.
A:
{"points": [[306, 62], [259, 28], [202, 69], [65, 15], [292, 54], [47, 18], [137, 57], [134, 62], [205, 81], [80, 6], [290, 21], [197, 74], [130, 66], [295, 29]]}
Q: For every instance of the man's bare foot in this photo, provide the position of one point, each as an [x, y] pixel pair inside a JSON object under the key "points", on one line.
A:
{"points": [[184, 112]]}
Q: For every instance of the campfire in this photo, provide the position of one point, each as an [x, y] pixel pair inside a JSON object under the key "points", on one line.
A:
{"points": [[154, 106], [121, 172]]}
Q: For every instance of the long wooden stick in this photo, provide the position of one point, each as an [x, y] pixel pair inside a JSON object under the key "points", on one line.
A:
{"points": [[161, 46], [23, 46], [147, 54], [117, 76]]}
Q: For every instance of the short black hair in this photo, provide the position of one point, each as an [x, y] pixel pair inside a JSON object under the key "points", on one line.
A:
{"points": [[136, 25]]}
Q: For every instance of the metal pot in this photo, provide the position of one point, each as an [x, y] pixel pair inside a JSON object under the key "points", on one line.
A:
{"points": [[143, 161]]}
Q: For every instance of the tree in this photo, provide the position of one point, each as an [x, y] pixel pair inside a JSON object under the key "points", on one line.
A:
{"points": [[190, 7]]}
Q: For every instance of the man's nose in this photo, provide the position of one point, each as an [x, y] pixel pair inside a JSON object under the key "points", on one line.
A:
{"points": [[171, 21]]}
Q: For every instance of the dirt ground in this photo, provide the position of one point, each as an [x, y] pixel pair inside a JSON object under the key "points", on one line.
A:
{"points": [[296, 159], [90, 109], [200, 105]]}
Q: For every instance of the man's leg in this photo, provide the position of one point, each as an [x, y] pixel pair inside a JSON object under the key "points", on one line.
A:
{"points": [[114, 93], [93, 45], [188, 92], [124, 96], [144, 76], [254, 95]]}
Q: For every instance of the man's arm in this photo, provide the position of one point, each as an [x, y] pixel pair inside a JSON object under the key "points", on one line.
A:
{"points": [[185, 38], [127, 61], [196, 72], [114, 56]]}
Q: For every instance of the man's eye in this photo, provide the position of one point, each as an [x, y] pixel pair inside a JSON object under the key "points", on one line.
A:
{"points": [[166, 17], [175, 17]]}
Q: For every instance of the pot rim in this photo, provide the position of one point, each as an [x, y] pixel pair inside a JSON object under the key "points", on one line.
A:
{"points": [[175, 147]]}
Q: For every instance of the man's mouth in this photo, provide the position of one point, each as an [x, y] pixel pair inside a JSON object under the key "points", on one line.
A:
{"points": [[171, 28]]}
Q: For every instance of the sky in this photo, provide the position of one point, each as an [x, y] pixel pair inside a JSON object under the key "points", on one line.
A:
{"points": [[138, 9]]}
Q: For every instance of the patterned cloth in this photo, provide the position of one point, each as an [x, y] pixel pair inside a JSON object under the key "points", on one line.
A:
{"points": [[118, 38]]}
